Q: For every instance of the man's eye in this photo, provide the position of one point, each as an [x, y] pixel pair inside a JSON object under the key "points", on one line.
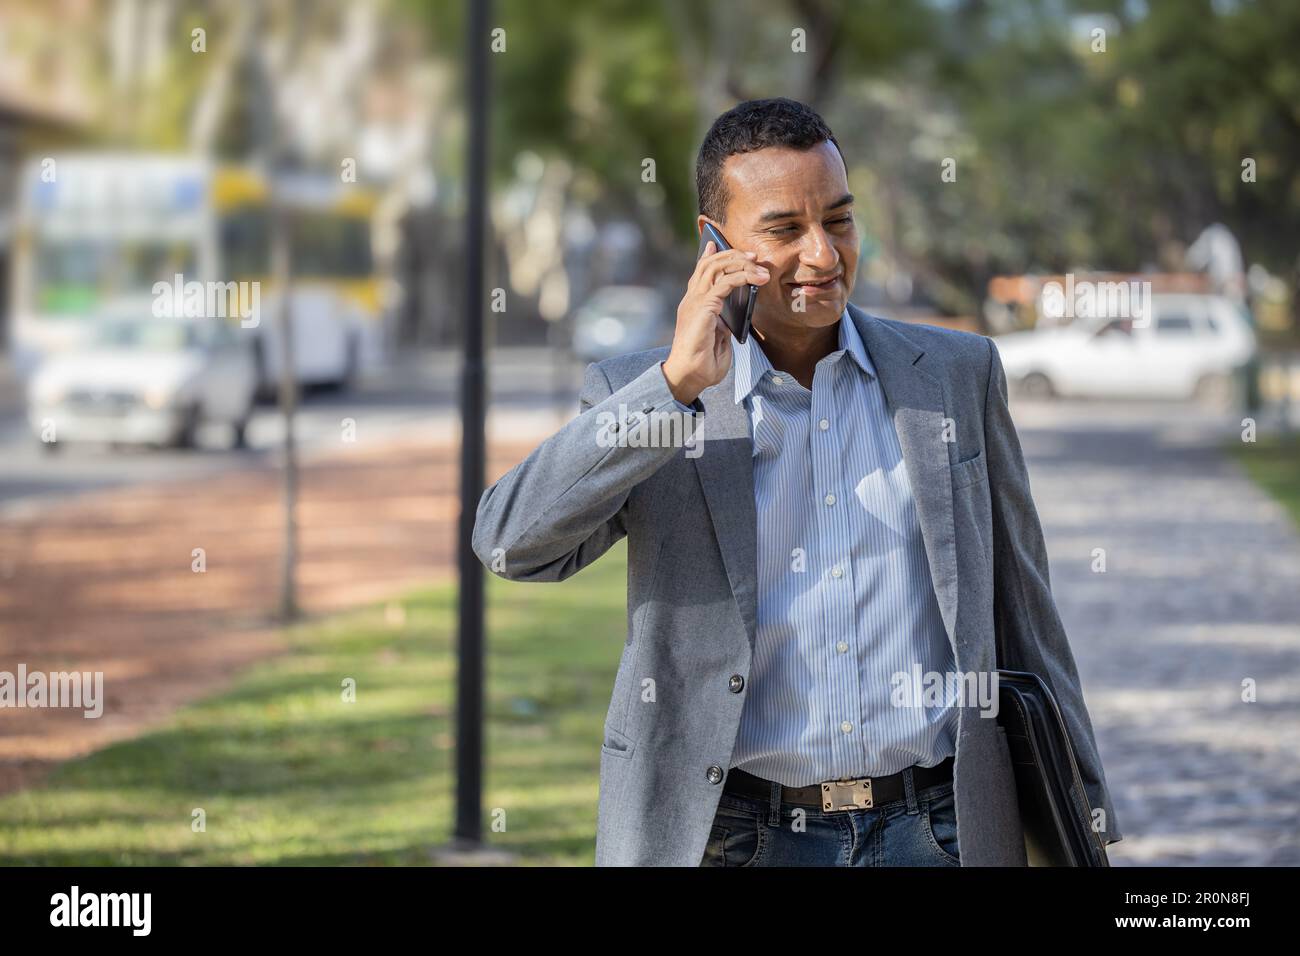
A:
{"points": [[780, 229], [845, 219]]}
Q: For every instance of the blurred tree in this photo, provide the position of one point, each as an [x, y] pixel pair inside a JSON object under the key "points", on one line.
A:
{"points": [[608, 84], [1088, 155], [1072, 149], [1070, 153]]}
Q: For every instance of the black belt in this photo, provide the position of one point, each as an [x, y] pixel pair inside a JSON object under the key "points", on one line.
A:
{"points": [[847, 794]]}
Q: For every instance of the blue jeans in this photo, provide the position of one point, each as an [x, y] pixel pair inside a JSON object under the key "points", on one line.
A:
{"points": [[919, 829]]}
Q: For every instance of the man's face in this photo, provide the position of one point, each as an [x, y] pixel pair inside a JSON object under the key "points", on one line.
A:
{"points": [[792, 208]]}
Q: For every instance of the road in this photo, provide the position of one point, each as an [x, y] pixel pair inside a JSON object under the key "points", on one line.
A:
{"points": [[419, 392], [1199, 600]]}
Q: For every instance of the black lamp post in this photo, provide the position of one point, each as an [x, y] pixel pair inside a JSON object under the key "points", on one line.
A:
{"points": [[469, 677]]}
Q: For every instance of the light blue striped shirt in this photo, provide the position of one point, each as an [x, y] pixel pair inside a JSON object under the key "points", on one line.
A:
{"points": [[845, 598]]}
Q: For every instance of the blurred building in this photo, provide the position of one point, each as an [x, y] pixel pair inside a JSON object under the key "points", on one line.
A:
{"points": [[44, 72], [347, 89]]}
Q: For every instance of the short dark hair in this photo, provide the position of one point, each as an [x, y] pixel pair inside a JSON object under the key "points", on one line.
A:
{"points": [[749, 126]]}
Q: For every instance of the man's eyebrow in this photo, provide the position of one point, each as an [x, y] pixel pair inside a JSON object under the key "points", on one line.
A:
{"points": [[844, 200]]}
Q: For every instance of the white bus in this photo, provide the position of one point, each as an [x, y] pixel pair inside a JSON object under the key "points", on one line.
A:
{"points": [[99, 235]]}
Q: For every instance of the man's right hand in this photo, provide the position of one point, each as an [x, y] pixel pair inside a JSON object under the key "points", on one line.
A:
{"points": [[701, 351]]}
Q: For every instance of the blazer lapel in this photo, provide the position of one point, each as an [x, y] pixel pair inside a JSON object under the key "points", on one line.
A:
{"points": [[915, 399], [725, 466]]}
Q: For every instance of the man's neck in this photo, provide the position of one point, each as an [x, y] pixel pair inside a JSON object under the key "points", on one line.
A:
{"points": [[798, 350]]}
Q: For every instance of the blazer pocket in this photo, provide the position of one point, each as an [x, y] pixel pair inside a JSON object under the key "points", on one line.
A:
{"points": [[617, 744], [969, 472]]}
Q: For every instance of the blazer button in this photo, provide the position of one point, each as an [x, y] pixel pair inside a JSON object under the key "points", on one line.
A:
{"points": [[714, 774], [736, 684]]}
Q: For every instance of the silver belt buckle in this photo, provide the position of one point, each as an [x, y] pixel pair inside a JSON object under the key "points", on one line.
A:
{"points": [[855, 790]]}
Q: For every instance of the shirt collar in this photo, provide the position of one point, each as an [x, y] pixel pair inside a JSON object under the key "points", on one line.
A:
{"points": [[752, 363]]}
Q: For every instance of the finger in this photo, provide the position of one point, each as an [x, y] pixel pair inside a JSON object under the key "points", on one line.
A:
{"points": [[749, 268], [750, 271], [709, 268], [726, 259], [738, 253], [731, 253], [706, 265], [752, 275]]}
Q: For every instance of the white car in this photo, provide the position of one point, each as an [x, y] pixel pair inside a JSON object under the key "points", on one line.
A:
{"points": [[1189, 347], [145, 381]]}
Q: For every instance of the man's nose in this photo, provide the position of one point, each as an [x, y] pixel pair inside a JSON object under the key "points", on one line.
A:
{"points": [[818, 252]]}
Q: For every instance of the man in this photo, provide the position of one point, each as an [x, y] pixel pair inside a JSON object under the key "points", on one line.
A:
{"points": [[844, 505]]}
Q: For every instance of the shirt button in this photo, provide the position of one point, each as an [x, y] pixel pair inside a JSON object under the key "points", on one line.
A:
{"points": [[830, 499], [777, 380], [837, 572], [846, 726], [736, 684], [823, 424], [842, 647], [714, 774]]}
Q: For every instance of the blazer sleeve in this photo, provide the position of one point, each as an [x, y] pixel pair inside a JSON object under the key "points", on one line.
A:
{"points": [[563, 506], [1023, 608]]}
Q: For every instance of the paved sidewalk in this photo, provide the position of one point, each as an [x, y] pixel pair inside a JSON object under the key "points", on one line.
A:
{"points": [[1201, 591]]}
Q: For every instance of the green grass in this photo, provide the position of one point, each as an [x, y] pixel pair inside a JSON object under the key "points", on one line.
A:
{"points": [[288, 773], [1273, 462]]}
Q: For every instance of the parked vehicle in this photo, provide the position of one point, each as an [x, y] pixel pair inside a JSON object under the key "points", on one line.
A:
{"points": [[1191, 346], [149, 381]]}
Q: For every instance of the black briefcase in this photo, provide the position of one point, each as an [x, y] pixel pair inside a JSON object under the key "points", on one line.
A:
{"points": [[1054, 810]]}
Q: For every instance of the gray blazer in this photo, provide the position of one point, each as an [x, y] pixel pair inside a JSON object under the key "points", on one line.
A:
{"points": [[689, 517]]}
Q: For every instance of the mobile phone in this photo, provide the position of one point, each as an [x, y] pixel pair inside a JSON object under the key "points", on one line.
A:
{"points": [[738, 306]]}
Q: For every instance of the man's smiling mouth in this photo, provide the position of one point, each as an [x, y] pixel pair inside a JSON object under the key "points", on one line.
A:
{"points": [[820, 284]]}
